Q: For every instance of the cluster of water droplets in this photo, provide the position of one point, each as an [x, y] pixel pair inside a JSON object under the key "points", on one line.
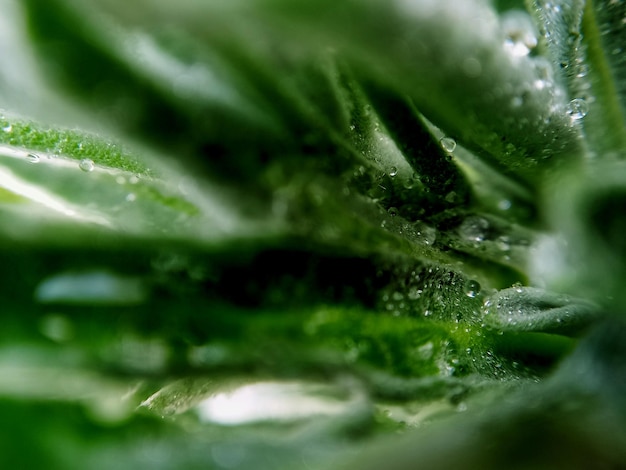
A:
{"points": [[11, 137], [436, 294], [86, 164], [504, 307], [432, 291], [489, 363], [419, 232], [494, 240], [521, 39]]}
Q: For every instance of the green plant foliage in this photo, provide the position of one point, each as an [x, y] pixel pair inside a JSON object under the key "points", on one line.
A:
{"points": [[314, 234]]}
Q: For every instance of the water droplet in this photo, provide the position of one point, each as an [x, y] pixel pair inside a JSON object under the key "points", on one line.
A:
{"points": [[472, 288], [7, 128], [120, 180], [392, 211], [32, 158], [577, 109], [133, 179], [518, 288], [448, 144], [86, 165], [393, 171], [427, 313], [130, 197], [474, 228], [425, 233]]}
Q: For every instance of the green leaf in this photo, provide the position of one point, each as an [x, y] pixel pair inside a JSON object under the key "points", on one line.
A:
{"points": [[67, 180], [582, 39], [529, 309], [589, 218], [390, 44], [369, 219]]}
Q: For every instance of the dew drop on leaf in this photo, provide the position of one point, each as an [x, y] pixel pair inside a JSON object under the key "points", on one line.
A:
{"points": [[32, 158], [393, 171], [8, 128], [474, 228], [448, 144], [86, 165], [392, 211], [425, 233], [577, 109], [472, 288]]}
